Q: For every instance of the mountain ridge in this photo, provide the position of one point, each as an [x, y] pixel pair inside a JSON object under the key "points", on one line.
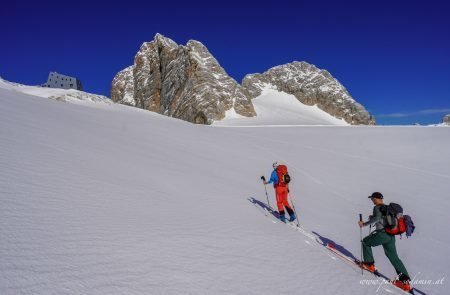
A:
{"points": [[187, 82]]}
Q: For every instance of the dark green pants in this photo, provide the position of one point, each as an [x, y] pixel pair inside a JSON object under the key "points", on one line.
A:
{"points": [[378, 238]]}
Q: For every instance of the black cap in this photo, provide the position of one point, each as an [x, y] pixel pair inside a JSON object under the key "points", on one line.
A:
{"points": [[376, 195]]}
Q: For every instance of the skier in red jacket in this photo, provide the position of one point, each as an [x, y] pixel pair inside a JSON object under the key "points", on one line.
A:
{"points": [[281, 192]]}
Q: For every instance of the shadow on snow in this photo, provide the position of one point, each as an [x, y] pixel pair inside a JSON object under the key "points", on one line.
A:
{"points": [[321, 240]]}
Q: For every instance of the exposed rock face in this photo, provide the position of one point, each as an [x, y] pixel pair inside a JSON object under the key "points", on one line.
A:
{"points": [[122, 90], [184, 82], [187, 82], [311, 86], [446, 119]]}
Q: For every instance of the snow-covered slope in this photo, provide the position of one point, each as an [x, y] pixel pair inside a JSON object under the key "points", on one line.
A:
{"points": [[95, 202], [67, 95], [276, 108]]}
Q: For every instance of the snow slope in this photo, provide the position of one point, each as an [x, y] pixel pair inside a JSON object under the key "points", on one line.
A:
{"points": [[109, 199], [67, 95], [275, 107]]}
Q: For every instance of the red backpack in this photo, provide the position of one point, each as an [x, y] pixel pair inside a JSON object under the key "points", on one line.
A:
{"points": [[397, 223], [283, 176]]}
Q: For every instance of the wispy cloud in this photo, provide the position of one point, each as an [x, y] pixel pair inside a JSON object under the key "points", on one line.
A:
{"points": [[411, 114]]}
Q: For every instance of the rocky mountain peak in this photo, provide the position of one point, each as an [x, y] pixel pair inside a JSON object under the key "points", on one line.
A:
{"points": [[311, 86], [184, 82], [164, 41]]}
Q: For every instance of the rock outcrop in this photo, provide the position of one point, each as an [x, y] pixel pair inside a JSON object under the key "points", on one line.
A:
{"points": [[311, 86], [446, 120], [184, 82]]}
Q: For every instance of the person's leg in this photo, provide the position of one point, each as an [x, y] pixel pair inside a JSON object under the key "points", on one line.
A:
{"points": [[391, 252], [286, 204], [289, 211], [284, 199], [278, 194], [372, 240]]}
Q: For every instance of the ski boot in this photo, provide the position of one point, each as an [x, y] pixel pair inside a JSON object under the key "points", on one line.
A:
{"points": [[404, 285], [402, 282], [370, 266], [292, 217]]}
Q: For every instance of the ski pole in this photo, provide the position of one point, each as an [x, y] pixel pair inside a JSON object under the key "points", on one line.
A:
{"points": [[265, 188], [360, 235], [293, 207]]}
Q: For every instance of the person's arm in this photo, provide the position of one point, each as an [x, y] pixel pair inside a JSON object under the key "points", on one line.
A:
{"points": [[376, 217], [273, 178]]}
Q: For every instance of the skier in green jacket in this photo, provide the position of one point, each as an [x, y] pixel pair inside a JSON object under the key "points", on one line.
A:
{"points": [[380, 237]]}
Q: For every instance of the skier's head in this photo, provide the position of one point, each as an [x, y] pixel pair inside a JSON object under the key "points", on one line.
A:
{"points": [[275, 165], [377, 198]]}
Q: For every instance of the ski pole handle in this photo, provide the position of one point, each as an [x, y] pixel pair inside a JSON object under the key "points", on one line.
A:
{"points": [[360, 217], [263, 178]]}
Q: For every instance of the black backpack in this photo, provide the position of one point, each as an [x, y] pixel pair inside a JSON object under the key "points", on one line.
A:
{"points": [[392, 213]]}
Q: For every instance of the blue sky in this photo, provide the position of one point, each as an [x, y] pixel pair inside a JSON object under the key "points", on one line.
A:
{"points": [[392, 56]]}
